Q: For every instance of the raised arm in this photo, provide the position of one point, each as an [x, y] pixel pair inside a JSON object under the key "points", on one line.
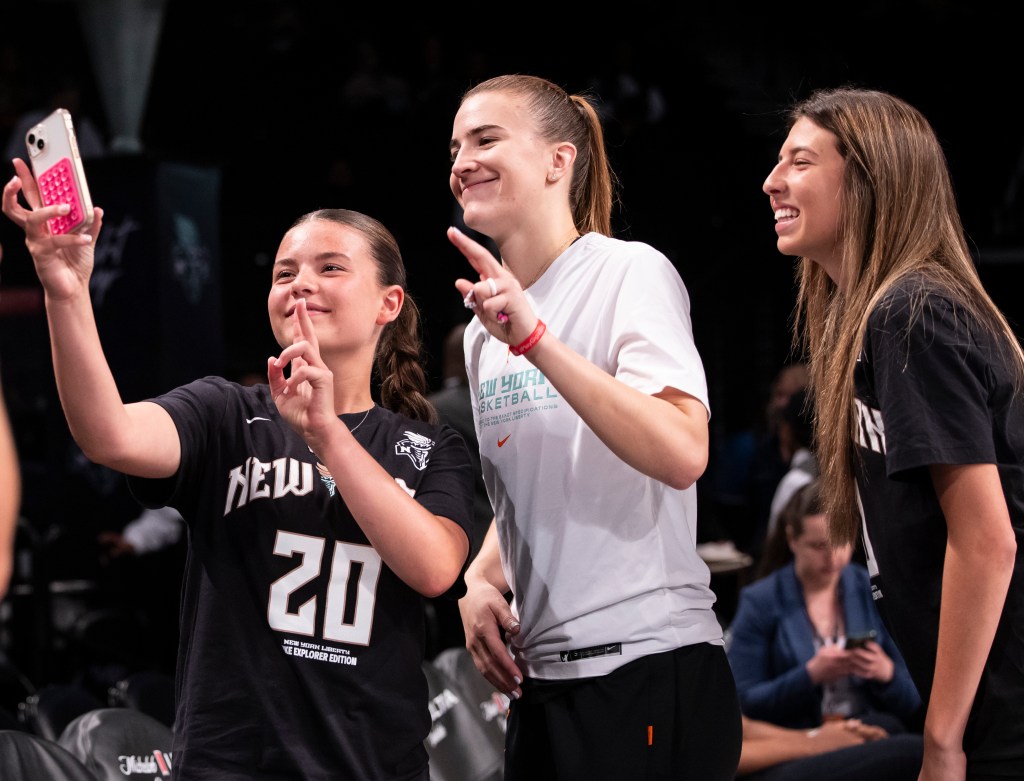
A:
{"points": [[138, 439], [663, 435]]}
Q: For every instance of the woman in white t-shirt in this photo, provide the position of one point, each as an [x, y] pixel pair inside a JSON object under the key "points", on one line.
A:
{"points": [[590, 406]]}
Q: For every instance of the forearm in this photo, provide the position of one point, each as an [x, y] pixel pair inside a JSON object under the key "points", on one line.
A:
{"points": [[486, 565], [979, 561], [768, 745], [663, 439], [427, 552], [10, 497], [974, 587], [89, 396]]}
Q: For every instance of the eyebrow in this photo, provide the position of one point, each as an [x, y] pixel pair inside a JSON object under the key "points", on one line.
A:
{"points": [[798, 149], [453, 144], [322, 256]]}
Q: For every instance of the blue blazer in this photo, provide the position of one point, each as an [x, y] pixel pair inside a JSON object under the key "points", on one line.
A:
{"points": [[771, 639]]}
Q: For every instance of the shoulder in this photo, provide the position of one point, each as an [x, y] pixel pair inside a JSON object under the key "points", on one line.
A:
{"points": [[765, 589], [213, 406], [596, 247], [911, 298], [213, 392], [419, 433], [856, 577], [857, 571]]}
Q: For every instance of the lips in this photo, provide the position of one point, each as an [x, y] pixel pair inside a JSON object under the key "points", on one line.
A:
{"points": [[467, 186], [311, 309]]}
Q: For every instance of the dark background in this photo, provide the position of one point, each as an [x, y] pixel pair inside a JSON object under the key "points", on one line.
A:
{"points": [[296, 106]]}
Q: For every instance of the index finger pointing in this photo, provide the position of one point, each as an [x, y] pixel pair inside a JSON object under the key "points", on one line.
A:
{"points": [[479, 257]]}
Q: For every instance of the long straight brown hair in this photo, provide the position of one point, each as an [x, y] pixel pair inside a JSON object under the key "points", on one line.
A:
{"points": [[898, 216]]}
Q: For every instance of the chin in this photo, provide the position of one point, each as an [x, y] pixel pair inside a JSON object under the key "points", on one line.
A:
{"points": [[788, 248], [475, 217]]}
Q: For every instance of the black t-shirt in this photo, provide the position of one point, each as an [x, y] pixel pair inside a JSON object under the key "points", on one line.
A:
{"points": [[300, 652], [935, 388]]}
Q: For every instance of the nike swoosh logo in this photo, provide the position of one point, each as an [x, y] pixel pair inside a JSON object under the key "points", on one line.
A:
{"points": [[250, 420], [501, 442]]}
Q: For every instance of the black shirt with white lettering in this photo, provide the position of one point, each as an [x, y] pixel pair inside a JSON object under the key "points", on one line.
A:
{"points": [[300, 653], [933, 387]]}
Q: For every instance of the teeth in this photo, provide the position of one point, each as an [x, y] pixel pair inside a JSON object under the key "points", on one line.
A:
{"points": [[783, 213]]}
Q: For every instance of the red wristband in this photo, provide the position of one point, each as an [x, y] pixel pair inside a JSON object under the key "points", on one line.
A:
{"points": [[531, 341]]}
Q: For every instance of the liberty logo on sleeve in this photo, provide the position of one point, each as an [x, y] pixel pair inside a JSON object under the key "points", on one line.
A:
{"points": [[417, 447]]}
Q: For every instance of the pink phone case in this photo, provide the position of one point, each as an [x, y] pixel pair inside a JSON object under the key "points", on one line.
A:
{"points": [[57, 166]]}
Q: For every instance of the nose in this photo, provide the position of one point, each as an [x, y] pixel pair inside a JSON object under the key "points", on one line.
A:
{"points": [[303, 283], [773, 184], [462, 162]]}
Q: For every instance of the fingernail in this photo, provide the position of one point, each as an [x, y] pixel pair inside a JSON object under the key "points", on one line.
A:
{"points": [[518, 680], [502, 317], [514, 695], [455, 229], [63, 208]]}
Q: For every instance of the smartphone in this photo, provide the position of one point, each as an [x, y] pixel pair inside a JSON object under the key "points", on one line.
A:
{"points": [[860, 640], [57, 167]]}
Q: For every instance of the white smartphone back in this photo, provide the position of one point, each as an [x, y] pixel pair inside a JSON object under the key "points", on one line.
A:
{"points": [[57, 167]]}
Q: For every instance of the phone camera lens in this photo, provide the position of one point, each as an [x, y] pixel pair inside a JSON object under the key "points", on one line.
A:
{"points": [[40, 143], [32, 138]]}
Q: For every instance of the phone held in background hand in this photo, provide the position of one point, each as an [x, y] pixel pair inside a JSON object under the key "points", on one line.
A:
{"points": [[57, 167], [860, 640]]}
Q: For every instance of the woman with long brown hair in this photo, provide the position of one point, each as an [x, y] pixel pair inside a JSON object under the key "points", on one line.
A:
{"points": [[919, 417]]}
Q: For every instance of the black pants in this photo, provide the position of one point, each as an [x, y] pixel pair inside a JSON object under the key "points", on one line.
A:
{"points": [[896, 758], [673, 715]]}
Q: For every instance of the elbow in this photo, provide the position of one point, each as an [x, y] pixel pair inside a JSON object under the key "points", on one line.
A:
{"points": [[1007, 552], [434, 586], [99, 454], [685, 471], [440, 573], [680, 481], [105, 455]]}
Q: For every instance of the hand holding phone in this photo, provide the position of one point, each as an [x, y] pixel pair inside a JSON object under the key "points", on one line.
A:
{"points": [[860, 639], [57, 167]]}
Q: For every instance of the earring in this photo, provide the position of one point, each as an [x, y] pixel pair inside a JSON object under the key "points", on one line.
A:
{"points": [[552, 177]]}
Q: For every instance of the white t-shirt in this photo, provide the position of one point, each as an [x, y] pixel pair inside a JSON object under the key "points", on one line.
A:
{"points": [[597, 554]]}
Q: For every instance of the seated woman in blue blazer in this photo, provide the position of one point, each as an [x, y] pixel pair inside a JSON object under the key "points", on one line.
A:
{"points": [[806, 643]]}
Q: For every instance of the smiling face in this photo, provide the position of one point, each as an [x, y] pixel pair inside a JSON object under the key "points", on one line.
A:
{"points": [[805, 189], [499, 163], [330, 265]]}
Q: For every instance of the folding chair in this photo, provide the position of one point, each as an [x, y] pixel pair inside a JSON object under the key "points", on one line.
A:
{"points": [[459, 744], [491, 704], [53, 707], [118, 742], [25, 756], [148, 691]]}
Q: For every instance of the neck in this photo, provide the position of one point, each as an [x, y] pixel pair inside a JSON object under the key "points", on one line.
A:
{"points": [[351, 383], [529, 257]]}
